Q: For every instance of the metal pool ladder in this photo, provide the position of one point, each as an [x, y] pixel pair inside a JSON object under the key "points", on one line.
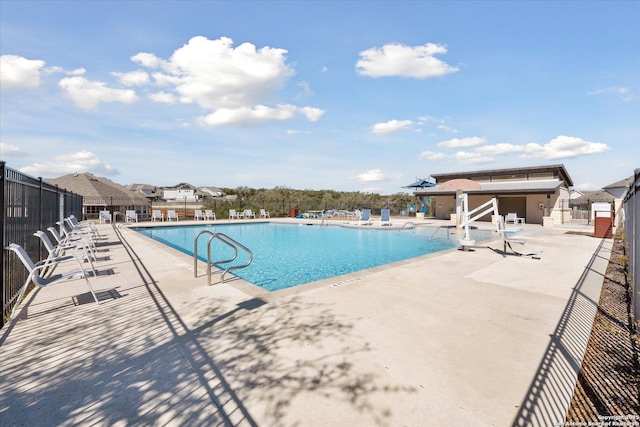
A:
{"points": [[227, 241]]}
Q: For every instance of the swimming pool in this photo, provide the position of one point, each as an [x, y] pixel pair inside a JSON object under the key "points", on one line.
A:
{"points": [[286, 255]]}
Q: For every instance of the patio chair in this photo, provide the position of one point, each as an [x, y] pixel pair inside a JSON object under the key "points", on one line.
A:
{"points": [[62, 249], [249, 214], [71, 239], [209, 214], [172, 215], [385, 217], [157, 215], [233, 214], [104, 216], [131, 216], [43, 282], [264, 214], [365, 217], [513, 218], [197, 214]]}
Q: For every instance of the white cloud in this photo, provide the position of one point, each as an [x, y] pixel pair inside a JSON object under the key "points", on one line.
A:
{"points": [[82, 161], [448, 129], [430, 155], [8, 150], [463, 142], [248, 116], [216, 75], [87, 94], [372, 175], [18, 72], [305, 89], [624, 93], [565, 147], [391, 126], [133, 78], [405, 61], [297, 132], [503, 148], [148, 60], [312, 114], [471, 158], [163, 97]]}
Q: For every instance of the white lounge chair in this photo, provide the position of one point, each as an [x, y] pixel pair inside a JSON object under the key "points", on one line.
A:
{"points": [[385, 217], [249, 214], [43, 282], [233, 214], [64, 248], [197, 214], [209, 214], [157, 215], [104, 216], [172, 215], [365, 217], [131, 216], [264, 214]]}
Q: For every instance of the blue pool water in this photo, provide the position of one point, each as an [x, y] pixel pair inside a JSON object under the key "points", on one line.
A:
{"points": [[286, 255]]}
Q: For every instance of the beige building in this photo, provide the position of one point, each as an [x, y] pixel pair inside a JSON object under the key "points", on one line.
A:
{"points": [[538, 194], [99, 194]]}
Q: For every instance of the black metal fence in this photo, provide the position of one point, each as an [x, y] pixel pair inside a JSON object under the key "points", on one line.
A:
{"points": [[28, 205], [631, 219]]}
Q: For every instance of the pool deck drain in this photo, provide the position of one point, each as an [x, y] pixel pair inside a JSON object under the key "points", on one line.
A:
{"points": [[460, 338]]}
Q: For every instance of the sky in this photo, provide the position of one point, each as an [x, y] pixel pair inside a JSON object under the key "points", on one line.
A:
{"points": [[344, 95]]}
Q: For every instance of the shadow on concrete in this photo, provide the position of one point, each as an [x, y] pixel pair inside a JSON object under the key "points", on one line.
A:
{"points": [[547, 401], [132, 360]]}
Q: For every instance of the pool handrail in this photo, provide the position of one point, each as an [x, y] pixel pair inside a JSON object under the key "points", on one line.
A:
{"points": [[226, 240]]}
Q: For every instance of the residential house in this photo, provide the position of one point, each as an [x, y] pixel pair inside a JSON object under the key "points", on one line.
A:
{"points": [[99, 194]]}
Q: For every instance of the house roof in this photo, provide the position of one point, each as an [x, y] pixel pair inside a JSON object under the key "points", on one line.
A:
{"points": [[593, 196], [623, 183], [558, 172], [98, 191]]}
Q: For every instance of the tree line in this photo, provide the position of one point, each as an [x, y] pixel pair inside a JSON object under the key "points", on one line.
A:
{"points": [[280, 201]]}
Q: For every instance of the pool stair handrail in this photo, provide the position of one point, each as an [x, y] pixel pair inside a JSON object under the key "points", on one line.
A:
{"points": [[410, 225], [227, 241]]}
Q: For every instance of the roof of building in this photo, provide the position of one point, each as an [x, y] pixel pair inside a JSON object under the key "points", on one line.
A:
{"points": [[558, 172], [492, 188], [98, 191], [594, 196], [623, 183]]}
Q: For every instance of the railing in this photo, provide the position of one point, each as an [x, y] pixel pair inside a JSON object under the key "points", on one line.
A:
{"points": [[227, 241], [28, 204], [407, 224], [631, 223]]}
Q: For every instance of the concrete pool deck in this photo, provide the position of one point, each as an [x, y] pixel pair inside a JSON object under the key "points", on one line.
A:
{"points": [[455, 338]]}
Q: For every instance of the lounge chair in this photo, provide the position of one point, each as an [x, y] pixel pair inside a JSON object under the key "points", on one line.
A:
{"points": [[104, 216], [172, 215], [385, 217], [365, 217], [43, 282], [508, 240], [62, 249], [233, 214], [249, 214], [209, 214], [157, 215], [264, 214], [197, 214], [131, 216]]}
